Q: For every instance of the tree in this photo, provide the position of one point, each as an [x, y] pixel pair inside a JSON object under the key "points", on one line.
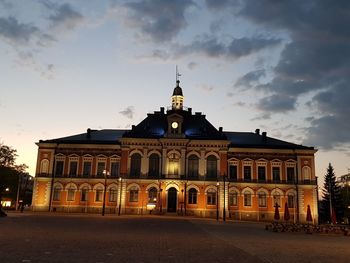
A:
{"points": [[10, 171], [331, 196]]}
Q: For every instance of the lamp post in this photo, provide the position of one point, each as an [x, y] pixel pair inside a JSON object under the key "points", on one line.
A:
{"points": [[161, 201], [224, 208], [120, 195], [217, 201], [18, 190], [105, 173]]}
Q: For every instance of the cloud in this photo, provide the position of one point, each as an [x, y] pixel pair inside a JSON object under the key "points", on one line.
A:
{"points": [[314, 61], [192, 65], [14, 32], [236, 48], [64, 17], [159, 20], [277, 102], [250, 79], [206, 87], [128, 112]]}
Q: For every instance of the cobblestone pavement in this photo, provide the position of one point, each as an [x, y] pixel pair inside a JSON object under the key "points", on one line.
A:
{"points": [[30, 237]]}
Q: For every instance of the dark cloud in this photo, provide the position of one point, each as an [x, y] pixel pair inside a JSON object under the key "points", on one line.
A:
{"points": [[235, 49], [250, 79], [316, 59], [128, 112], [277, 102], [264, 116], [64, 17], [161, 20], [217, 4], [192, 65], [17, 33], [332, 128]]}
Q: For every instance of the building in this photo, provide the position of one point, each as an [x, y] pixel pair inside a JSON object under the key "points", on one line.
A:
{"points": [[176, 161]]}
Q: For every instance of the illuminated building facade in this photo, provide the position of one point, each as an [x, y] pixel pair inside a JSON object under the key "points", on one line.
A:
{"points": [[176, 161]]}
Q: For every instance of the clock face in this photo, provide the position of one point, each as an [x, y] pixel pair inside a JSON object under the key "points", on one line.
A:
{"points": [[174, 125]]}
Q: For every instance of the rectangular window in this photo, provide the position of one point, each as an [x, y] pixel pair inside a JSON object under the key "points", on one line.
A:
{"points": [[113, 195], [291, 201], [99, 195], [233, 199], [59, 168], [290, 174], [71, 194], [101, 166], [247, 173], [262, 200], [134, 196], [73, 168], [233, 172], [261, 173], [247, 199], [211, 198], [87, 169], [276, 174], [192, 197], [114, 169]]}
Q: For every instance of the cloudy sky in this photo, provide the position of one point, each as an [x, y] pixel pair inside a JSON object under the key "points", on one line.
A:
{"points": [[281, 66]]}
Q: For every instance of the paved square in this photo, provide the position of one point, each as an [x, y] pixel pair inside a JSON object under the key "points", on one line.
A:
{"points": [[38, 237]]}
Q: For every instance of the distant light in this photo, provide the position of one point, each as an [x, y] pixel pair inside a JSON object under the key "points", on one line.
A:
{"points": [[7, 189]]}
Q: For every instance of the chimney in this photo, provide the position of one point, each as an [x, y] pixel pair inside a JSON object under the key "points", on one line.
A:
{"points": [[132, 127], [264, 136], [220, 129], [162, 110], [190, 110], [198, 113], [257, 131]]}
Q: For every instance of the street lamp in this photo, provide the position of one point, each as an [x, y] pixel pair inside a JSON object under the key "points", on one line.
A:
{"points": [[105, 173], [224, 209], [120, 195], [217, 201]]}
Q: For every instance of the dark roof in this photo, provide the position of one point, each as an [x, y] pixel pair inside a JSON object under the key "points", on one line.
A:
{"points": [[254, 140], [194, 126], [177, 89], [91, 136]]}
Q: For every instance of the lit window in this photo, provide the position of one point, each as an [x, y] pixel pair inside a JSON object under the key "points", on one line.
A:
{"points": [[134, 195], [152, 195]]}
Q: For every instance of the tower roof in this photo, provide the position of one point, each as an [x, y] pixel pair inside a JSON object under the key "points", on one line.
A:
{"points": [[177, 89]]}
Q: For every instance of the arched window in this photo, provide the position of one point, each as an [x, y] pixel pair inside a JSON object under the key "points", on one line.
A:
{"points": [[193, 164], [233, 198], [192, 196], [212, 166], [44, 166], [99, 194], [152, 195], [262, 199], [247, 198], [57, 193], [113, 194], [276, 199], [134, 194], [211, 197], [71, 193], [84, 194], [135, 165], [154, 162], [291, 202]]}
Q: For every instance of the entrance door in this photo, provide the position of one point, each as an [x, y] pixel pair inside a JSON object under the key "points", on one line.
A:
{"points": [[172, 199]]}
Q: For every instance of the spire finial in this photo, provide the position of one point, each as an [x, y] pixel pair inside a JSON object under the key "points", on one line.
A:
{"points": [[177, 76]]}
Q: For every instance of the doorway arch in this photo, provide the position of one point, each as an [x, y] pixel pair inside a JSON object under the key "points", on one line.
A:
{"points": [[172, 200]]}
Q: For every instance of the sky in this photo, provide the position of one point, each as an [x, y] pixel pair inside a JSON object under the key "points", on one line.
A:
{"points": [[280, 66]]}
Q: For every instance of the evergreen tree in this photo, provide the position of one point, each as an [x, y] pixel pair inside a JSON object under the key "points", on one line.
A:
{"points": [[331, 190]]}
